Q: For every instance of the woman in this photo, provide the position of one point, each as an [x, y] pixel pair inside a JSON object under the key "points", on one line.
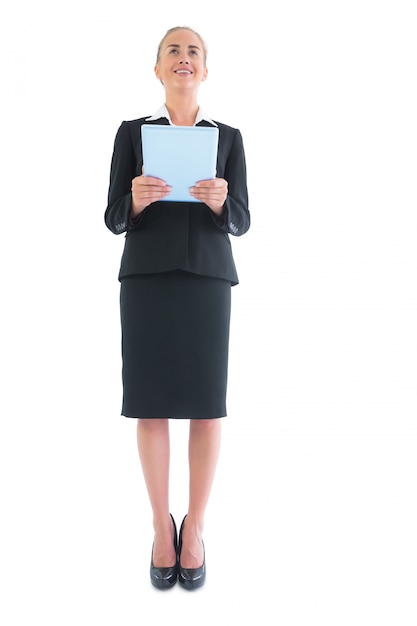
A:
{"points": [[176, 273]]}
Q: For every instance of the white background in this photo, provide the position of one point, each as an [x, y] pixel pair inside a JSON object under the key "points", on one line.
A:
{"points": [[313, 513]]}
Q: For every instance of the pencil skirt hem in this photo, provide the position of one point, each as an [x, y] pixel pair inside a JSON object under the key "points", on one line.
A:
{"points": [[175, 344]]}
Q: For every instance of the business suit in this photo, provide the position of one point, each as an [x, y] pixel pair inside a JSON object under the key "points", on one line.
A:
{"points": [[176, 272], [177, 235]]}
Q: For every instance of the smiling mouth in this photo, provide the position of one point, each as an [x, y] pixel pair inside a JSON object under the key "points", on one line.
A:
{"points": [[183, 72]]}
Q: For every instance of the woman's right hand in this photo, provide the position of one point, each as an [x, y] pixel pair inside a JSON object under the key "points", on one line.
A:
{"points": [[145, 190]]}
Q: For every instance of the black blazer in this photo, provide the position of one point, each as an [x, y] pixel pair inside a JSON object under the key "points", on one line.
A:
{"points": [[177, 235]]}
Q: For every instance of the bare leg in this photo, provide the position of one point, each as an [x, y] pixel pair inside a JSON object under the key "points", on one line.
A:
{"points": [[154, 454], [204, 447]]}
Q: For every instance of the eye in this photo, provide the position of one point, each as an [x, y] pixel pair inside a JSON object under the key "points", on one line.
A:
{"points": [[173, 51], [193, 52]]}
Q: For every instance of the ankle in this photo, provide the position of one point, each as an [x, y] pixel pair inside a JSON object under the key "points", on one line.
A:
{"points": [[163, 524], [194, 524]]}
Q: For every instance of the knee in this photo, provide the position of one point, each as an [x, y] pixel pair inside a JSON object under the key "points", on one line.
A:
{"points": [[205, 425], [152, 424]]}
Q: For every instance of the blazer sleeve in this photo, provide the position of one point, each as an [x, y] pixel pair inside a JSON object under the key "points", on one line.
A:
{"points": [[235, 218], [122, 171]]}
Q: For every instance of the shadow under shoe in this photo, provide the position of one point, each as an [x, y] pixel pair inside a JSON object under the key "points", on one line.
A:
{"points": [[165, 577]]}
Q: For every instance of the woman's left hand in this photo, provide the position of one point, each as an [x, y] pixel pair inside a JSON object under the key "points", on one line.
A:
{"points": [[212, 192]]}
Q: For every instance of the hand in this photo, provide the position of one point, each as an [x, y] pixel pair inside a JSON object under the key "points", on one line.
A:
{"points": [[212, 192], [145, 190]]}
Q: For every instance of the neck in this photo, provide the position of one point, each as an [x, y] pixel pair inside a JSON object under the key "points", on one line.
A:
{"points": [[182, 110]]}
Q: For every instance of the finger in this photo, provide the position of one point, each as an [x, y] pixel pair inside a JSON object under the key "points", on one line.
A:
{"points": [[207, 193], [147, 193], [154, 189], [148, 199], [151, 180], [148, 180], [150, 191], [212, 182], [203, 188]]}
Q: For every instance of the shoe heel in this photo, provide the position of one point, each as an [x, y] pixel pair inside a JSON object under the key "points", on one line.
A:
{"points": [[190, 578], [165, 577]]}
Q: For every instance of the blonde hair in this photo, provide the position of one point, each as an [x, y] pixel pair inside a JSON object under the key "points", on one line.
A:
{"points": [[175, 28]]}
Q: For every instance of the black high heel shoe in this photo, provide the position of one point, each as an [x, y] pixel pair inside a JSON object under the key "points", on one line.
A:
{"points": [[190, 578], [166, 577]]}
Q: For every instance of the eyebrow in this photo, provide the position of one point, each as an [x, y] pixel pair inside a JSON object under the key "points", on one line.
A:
{"points": [[176, 45]]}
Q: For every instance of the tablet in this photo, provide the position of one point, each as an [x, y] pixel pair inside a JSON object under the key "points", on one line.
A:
{"points": [[179, 155]]}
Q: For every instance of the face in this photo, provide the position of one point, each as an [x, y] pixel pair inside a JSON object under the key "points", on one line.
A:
{"points": [[181, 62]]}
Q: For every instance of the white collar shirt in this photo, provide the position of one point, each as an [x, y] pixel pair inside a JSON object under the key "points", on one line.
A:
{"points": [[163, 112]]}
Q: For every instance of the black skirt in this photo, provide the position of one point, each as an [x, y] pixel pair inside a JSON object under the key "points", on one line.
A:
{"points": [[175, 343]]}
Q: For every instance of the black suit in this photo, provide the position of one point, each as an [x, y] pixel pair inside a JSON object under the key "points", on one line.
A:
{"points": [[177, 235]]}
